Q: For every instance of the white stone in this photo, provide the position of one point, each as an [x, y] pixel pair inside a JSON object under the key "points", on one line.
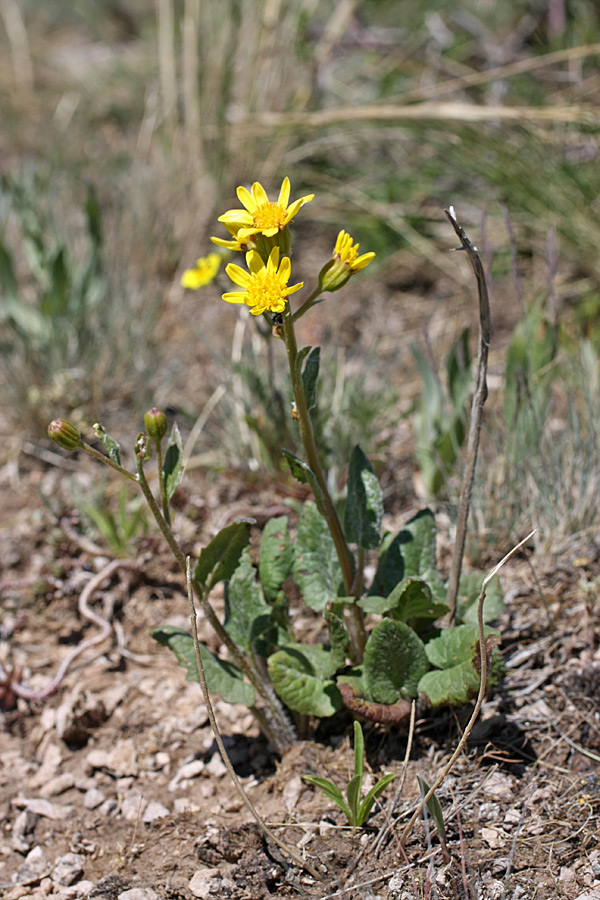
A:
{"points": [[93, 798], [67, 869], [139, 894], [155, 810], [201, 882]]}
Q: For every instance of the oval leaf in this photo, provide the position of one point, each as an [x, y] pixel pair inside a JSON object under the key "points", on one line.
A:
{"points": [[223, 678], [394, 662]]}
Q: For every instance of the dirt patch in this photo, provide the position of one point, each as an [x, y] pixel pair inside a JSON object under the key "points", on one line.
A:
{"points": [[113, 782]]}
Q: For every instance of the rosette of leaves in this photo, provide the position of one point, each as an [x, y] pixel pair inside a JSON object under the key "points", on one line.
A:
{"points": [[405, 653]]}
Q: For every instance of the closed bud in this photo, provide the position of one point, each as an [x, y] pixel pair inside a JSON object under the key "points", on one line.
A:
{"points": [[155, 423], [64, 434]]}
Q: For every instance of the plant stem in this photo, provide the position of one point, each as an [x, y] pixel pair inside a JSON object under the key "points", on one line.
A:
{"points": [[357, 630], [281, 732], [107, 461], [269, 834], [306, 305], [479, 398]]}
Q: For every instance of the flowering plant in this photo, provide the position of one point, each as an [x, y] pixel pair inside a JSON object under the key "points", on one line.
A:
{"points": [[380, 646]]}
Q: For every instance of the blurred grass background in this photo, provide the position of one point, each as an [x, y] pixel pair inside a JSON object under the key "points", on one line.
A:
{"points": [[126, 127]]}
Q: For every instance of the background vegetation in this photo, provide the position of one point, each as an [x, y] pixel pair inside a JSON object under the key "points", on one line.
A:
{"points": [[127, 126]]}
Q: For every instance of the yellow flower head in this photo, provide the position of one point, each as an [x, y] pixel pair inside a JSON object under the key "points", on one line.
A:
{"points": [[344, 262], [261, 215], [264, 286], [203, 272]]}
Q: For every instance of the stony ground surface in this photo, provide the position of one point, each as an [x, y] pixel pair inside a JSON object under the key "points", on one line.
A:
{"points": [[112, 786]]}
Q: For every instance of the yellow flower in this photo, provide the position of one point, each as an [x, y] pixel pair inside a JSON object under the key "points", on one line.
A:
{"points": [[235, 245], [203, 272], [264, 287], [344, 262], [261, 215], [347, 252]]}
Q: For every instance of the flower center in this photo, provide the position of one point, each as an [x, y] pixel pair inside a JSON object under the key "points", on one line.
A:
{"points": [[271, 215], [265, 291]]}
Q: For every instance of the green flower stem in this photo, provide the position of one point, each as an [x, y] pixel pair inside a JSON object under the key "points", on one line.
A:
{"points": [[158, 516], [285, 736], [107, 461], [307, 304], [356, 623]]}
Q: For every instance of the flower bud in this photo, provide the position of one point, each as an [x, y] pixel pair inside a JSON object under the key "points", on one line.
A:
{"points": [[344, 263], [64, 434], [155, 423]]}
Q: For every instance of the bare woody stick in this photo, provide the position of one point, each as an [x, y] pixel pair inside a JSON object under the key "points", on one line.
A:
{"points": [[479, 398], [483, 672]]}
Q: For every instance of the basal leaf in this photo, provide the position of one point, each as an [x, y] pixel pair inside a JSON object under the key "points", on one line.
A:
{"points": [[276, 555], [223, 678], [456, 653], [299, 685], [469, 589], [364, 505], [453, 686], [247, 613], [219, 559], [394, 662], [453, 646], [413, 599], [417, 546], [316, 567], [390, 568], [338, 636]]}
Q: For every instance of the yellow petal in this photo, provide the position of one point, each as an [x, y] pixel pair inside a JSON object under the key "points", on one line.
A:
{"points": [[246, 199], [238, 275], [284, 193], [259, 194]]}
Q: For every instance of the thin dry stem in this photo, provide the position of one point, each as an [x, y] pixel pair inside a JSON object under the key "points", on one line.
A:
{"points": [[269, 835], [482, 688], [479, 398]]}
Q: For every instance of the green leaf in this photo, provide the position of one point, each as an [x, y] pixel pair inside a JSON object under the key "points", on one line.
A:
{"points": [[456, 653], [453, 686], [316, 566], [173, 463], [353, 792], [218, 561], [390, 567], [223, 678], [331, 791], [247, 613], [305, 475], [458, 368], [411, 599], [298, 677], [355, 678], [394, 662], [469, 589], [376, 791], [359, 750], [310, 376], [338, 636], [364, 506], [433, 807], [454, 646], [110, 445], [275, 556]]}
